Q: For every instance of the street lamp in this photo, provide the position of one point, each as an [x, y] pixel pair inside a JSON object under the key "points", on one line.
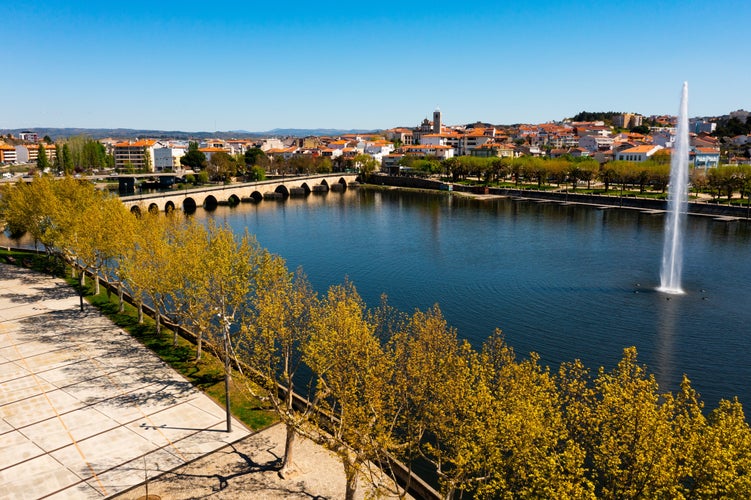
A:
{"points": [[225, 330]]}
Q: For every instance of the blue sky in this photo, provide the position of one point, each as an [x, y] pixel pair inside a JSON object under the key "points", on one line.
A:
{"points": [[243, 65]]}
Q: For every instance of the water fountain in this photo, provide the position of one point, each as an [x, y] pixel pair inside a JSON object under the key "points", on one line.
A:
{"points": [[672, 251]]}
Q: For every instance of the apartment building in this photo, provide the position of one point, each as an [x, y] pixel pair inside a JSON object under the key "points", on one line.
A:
{"points": [[28, 153], [138, 155], [7, 154]]}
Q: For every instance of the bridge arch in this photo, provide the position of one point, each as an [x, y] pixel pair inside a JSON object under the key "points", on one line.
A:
{"points": [[189, 205], [135, 210], [169, 207], [339, 186], [305, 187], [233, 200], [282, 190], [255, 197], [153, 208], [210, 202]]}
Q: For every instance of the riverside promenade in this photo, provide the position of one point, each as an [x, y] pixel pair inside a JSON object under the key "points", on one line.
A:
{"points": [[87, 412]]}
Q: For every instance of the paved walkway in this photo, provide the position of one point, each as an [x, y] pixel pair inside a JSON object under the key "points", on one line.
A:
{"points": [[86, 411]]}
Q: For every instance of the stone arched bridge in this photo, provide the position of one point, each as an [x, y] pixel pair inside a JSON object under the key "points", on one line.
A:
{"points": [[231, 194]]}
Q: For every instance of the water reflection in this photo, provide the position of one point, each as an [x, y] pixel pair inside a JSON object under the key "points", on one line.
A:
{"points": [[664, 367]]}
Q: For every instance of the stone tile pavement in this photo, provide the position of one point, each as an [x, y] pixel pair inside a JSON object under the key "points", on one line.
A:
{"points": [[85, 410]]}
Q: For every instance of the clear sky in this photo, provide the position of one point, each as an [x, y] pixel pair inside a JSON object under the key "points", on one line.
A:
{"points": [[244, 65]]}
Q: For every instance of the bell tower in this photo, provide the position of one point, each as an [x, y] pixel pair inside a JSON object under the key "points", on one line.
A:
{"points": [[437, 121]]}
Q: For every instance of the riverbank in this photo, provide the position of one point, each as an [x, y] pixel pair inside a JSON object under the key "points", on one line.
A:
{"points": [[716, 211]]}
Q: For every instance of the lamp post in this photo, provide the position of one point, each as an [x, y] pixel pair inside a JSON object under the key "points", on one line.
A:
{"points": [[225, 334]]}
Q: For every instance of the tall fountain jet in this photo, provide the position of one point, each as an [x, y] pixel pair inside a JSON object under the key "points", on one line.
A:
{"points": [[672, 250]]}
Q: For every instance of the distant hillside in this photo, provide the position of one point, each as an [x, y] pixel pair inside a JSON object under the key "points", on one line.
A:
{"points": [[124, 133], [303, 132], [127, 133]]}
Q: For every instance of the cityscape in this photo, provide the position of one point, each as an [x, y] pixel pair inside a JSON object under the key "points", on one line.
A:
{"points": [[619, 137]]}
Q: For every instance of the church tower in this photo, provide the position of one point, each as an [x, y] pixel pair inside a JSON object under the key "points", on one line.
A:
{"points": [[437, 121]]}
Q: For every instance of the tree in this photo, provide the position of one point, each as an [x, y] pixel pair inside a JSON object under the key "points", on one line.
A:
{"points": [[640, 129], [352, 382], [193, 158], [525, 445], [722, 460], [256, 157], [256, 173], [43, 163], [275, 335], [67, 161], [624, 429], [93, 155], [96, 231], [367, 165], [31, 208], [443, 400], [57, 163], [222, 167], [233, 267], [147, 163], [193, 271], [150, 269]]}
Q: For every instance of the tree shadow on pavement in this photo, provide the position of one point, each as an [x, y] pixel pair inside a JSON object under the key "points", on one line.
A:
{"points": [[243, 475]]}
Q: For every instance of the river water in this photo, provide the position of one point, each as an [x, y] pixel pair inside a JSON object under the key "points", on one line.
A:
{"points": [[564, 281]]}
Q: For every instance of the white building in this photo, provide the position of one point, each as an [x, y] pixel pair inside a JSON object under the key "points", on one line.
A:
{"points": [[168, 158], [638, 153], [664, 137], [595, 143], [439, 151], [273, 143]]}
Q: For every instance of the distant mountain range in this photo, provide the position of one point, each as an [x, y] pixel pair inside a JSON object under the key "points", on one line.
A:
{"points": [[126, 133]]}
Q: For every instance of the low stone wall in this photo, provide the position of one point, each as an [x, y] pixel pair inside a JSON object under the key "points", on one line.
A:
{"points": [[407, 182], [699, 208]]}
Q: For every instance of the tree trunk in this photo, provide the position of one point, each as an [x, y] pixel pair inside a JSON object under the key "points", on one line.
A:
{"points": [[140, 313], [96, 284], [199, 345], [288, 449], [121, 296], [350, 471]]}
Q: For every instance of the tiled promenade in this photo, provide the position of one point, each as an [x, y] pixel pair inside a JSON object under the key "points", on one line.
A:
{"points": [[86, 411]]}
